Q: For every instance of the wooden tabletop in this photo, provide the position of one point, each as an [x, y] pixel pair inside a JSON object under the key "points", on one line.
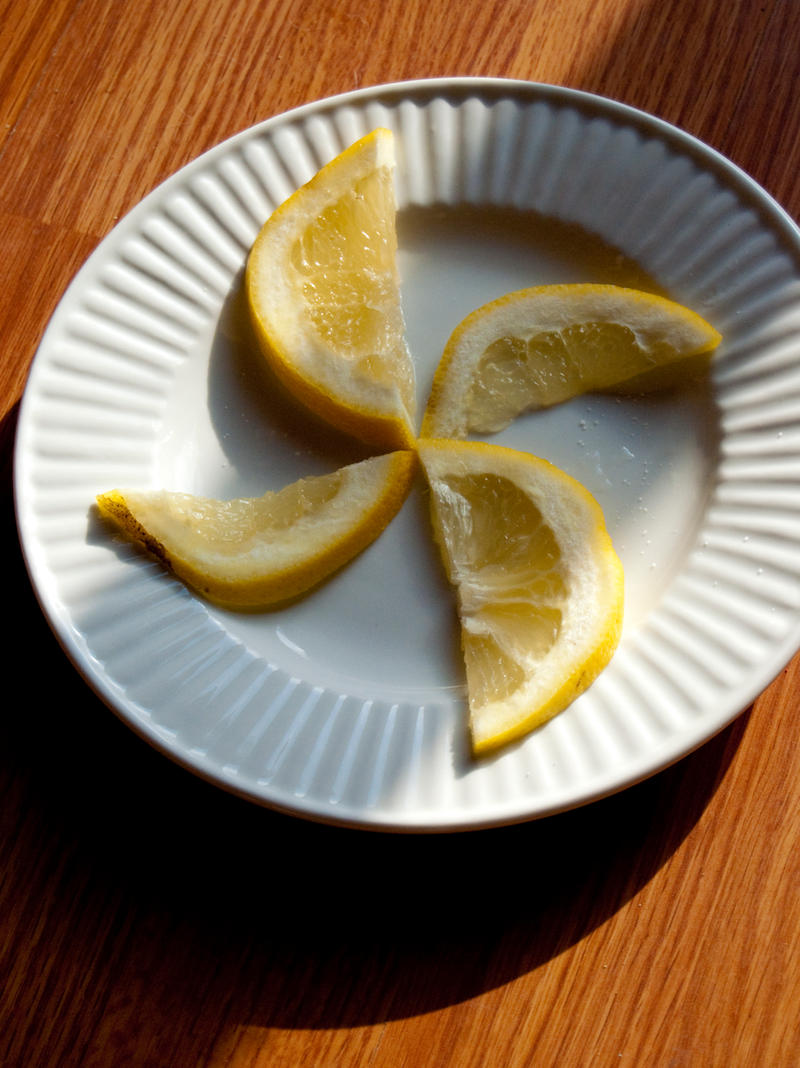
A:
{"points": [[147, 917]]}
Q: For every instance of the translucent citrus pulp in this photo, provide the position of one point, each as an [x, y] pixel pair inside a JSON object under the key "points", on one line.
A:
{"points": [[255, 552], [538, 583], [323, 291], [538, 347]]}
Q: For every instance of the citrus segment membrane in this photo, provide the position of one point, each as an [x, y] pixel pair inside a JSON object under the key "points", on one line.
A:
{"points": [[539, 586], [259, 551], [323, 290], [542, 346]]}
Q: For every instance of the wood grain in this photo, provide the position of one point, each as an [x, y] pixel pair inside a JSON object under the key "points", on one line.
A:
{"points": [[148, 919]]}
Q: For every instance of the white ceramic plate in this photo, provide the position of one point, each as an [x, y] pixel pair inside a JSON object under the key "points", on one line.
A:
{"points": [[349, 706]]}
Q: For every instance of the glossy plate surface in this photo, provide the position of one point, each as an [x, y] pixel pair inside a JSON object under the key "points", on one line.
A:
{"points": [[349, 705]]}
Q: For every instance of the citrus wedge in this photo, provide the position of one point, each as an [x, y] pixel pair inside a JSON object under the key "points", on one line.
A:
{"points": [[537, 347], [539, 585], [323, 291], [256, 552]]}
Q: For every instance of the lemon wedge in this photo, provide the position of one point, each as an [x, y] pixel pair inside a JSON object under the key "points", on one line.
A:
{"points": [[257, 552], [538, 347], [539, 586], [323, 291]]}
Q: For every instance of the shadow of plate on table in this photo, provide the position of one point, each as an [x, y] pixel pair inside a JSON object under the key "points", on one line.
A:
{"points": [[391, 927], [287, 923]]}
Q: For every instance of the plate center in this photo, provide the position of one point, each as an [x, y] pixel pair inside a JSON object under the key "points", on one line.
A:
{"points": [[386, 623]]}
